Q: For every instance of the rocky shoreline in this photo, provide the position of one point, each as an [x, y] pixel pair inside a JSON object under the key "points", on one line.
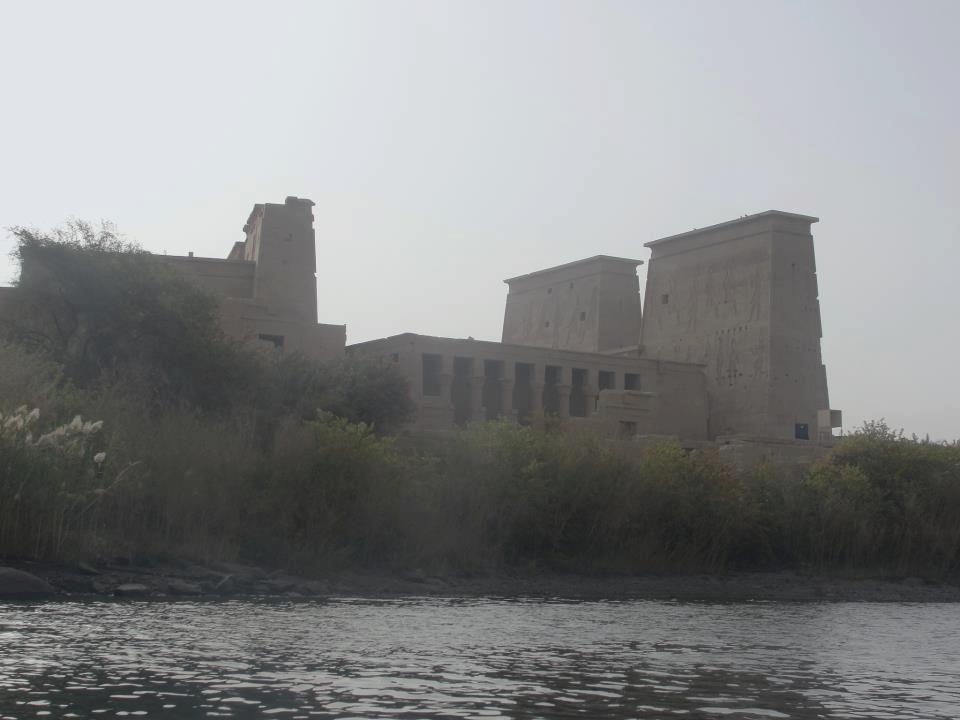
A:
{"points": [[231, 580]]}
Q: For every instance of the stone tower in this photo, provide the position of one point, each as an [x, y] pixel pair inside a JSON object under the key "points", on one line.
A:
{"points": [[741, 297], [281, 241], [591, 305]]}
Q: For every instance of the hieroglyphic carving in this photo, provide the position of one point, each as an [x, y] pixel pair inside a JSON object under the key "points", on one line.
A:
{"points": [[718, 359], [761, 356], [710, 289], [732, 359], [729, 287], [757, 286], [693, 304]]}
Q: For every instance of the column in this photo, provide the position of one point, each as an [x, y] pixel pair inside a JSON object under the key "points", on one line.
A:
{"points": [[537, 385], [477, 380], [564, 389], [446, 380], [507, 383], [591, 391]]}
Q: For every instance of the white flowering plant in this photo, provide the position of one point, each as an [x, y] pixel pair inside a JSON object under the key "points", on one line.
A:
{"points": [[73, 439], [48, 480]]}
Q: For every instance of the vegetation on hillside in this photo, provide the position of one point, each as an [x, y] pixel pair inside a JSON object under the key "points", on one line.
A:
{"points": [[109, 447]]}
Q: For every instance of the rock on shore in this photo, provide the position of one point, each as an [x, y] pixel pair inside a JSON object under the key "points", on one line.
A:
{"points": [[16, 584]]}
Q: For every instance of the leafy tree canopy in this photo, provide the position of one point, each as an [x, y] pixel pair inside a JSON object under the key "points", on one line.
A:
{"points": [[359, 390], [104, 310], [99, 305]]}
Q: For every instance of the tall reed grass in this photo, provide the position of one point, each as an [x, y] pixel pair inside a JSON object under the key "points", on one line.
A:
{"points": [[323, 493]]}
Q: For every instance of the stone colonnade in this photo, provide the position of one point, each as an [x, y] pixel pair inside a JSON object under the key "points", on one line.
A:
{"points": [[479, 389]]}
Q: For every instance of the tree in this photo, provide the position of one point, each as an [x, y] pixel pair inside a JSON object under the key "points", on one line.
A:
{"points": [[358, 390], [99, 305]]}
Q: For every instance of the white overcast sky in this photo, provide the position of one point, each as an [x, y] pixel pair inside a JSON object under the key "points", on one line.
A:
{"points": [[449, 145]]}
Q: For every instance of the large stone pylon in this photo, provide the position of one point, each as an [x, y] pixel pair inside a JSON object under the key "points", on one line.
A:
{"points": [[741, 297]]}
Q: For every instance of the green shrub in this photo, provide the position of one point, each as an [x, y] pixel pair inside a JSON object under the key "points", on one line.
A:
{"points": [[27, 378], [356, 389], [882, 500], [513, 495], [333, 493], [688, 509]]}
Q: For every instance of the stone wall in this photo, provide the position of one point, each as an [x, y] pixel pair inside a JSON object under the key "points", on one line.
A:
{"points": [[788, 459], [590, 305], [224, 278], [453, 382]]}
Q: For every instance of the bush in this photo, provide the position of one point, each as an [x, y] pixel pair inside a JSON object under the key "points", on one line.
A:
{"points": [[883, 500], [356, 389], [689, 510], [512, 495], [26, 378], [332, 493]]}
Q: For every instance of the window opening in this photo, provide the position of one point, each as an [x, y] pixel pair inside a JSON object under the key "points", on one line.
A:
{"points": [[276, 340], [431, 374]]}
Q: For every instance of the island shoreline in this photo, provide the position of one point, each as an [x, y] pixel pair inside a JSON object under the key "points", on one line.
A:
{"points": [[218, 581]]}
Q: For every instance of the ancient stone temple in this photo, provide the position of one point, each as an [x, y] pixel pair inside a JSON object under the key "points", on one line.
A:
{"points": [[724, 348], [267, 285], [725, 345]]}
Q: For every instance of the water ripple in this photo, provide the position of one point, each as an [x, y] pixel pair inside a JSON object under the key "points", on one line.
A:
{"points": [[468, 658]]}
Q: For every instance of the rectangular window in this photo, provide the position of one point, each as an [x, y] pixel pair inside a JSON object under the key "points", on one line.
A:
{"points": [[631, 381], [607, 380], [276, 340], [801, 431], [665, 298], [431, 374]]}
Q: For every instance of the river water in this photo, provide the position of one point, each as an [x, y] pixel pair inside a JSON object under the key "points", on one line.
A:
{"points": [[479, 658]]}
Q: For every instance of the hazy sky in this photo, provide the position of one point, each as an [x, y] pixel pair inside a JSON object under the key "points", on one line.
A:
{"points": [[449, 145]]}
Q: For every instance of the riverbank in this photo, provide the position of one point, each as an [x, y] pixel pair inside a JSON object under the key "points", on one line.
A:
{"points": [[226, 580]]}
